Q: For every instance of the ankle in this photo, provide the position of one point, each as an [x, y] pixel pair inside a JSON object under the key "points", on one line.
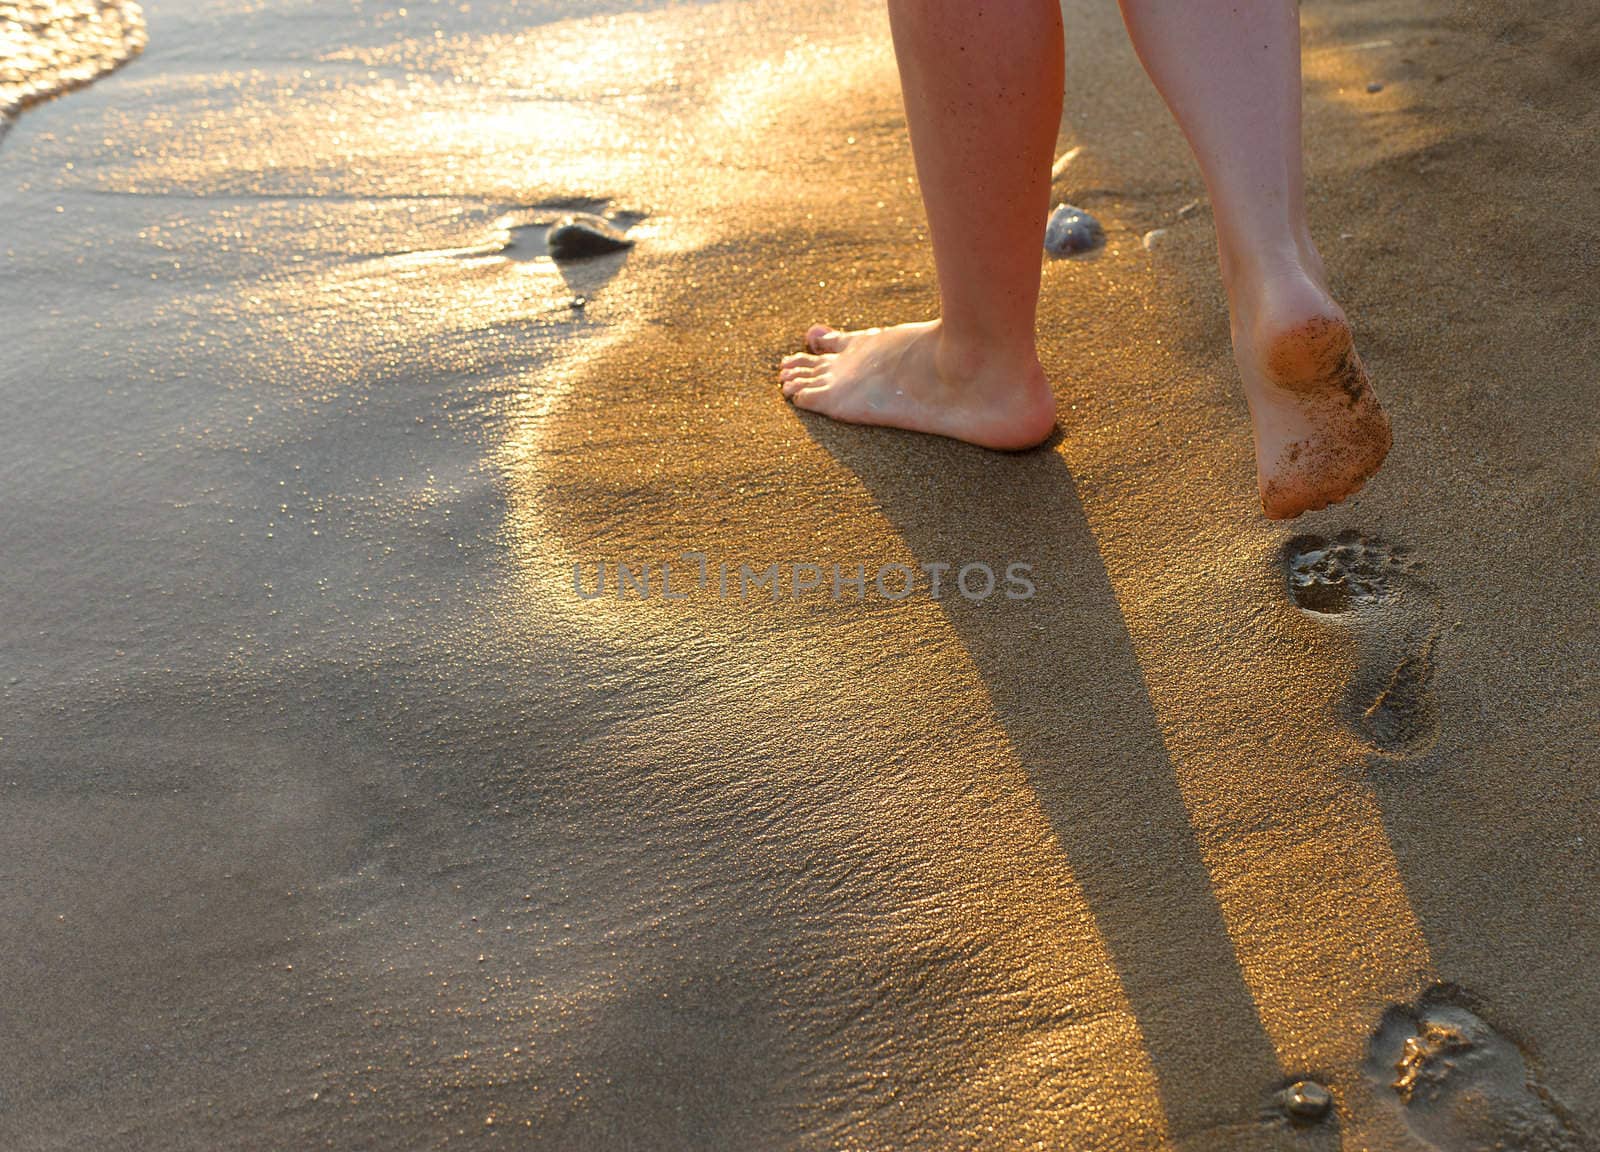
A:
{"points": [[1246, 266], [1265, 300], [960, 356]]}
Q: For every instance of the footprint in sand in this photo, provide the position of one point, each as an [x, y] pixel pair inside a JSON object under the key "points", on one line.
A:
{"points": [[1375, 588], [1461, 1085]]}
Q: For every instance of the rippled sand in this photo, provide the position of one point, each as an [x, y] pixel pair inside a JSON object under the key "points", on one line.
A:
{"points": [[333, 815]]}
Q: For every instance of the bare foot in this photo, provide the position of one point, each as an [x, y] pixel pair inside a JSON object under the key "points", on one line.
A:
{"points": [[914, 376], [1320, 432]]}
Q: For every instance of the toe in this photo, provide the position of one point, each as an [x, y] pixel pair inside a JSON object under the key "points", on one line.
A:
{"points": [[800, 360], [794, 370], [794, 382], [807, 397], [827, 395], [821, 338]]}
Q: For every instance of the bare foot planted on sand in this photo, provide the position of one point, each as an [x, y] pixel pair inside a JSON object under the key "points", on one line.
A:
{"points": [[914, 376], [1320, 432]]}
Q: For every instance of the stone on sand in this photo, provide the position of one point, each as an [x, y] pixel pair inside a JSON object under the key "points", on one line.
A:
{"points": [[1071, 230], [580, 234]]}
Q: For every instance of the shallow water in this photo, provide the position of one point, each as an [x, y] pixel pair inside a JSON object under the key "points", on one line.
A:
{"points": [[50, 46]]}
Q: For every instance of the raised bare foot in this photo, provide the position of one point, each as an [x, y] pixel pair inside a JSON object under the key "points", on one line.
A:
{"points": [[1320, 432], [915, 376]]}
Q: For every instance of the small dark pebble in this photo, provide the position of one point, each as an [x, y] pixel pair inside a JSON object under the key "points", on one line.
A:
{"points": [[1374, 87], [1306, 1100], [1071, 230], [580, 234]]}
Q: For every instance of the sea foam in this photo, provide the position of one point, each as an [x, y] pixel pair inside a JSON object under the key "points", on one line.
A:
{"points": [[50, 46]]}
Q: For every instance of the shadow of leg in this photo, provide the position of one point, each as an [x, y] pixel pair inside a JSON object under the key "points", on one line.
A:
{"points": [[1062, 675]]}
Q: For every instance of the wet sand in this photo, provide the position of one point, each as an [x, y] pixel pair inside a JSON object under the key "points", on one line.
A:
{"points": [[335, 816]]}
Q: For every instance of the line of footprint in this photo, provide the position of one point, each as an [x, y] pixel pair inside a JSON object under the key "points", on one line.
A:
{"points": [[1461, 1084]]}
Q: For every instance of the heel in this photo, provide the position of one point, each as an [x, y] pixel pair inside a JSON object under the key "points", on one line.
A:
{"points": [[1317, 355]]}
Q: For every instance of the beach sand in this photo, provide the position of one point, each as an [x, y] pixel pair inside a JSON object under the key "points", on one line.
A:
{"points": [[335, 815]]}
